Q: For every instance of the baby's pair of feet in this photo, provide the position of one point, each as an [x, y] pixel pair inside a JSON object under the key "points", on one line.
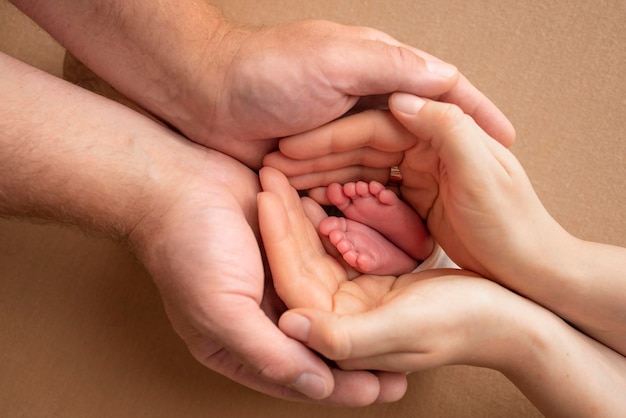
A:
{"points": [[380, 233]]}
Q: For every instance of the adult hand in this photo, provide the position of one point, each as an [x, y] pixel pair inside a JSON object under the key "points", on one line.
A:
{"points": [[428, 319], [312, 282], [435, 178], [475, 196], [363, 146], [291, 78], [188, 212], [481, 207], [238, 90], [220, 306]]}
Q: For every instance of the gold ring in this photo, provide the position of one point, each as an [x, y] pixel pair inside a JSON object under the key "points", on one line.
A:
{"points": [[395, 176]]}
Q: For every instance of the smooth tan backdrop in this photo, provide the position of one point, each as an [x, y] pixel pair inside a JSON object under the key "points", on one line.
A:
{"points": [[82, 330]]}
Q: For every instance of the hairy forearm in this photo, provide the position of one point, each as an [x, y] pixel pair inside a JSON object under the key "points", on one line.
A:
{"points": [[155, 52], [68, 155]]}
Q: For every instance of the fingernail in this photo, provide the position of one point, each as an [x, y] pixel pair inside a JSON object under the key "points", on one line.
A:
{"points": [[442, 69], [296, 326], [311, 385], [406, 103]]}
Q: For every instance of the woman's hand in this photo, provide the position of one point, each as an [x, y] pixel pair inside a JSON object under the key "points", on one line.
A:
{"points": [[429, 319], [453, 311]]}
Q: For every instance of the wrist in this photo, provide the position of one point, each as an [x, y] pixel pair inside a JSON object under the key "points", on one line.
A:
{"points": [[562, 371], [508, 325], [157, 54], [189, 184], [532, 344], [201, 87]]}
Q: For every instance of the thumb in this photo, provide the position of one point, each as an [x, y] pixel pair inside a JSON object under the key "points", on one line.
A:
{"points": [[465, 150], [341, 337], [274, 361], [381, 64]]}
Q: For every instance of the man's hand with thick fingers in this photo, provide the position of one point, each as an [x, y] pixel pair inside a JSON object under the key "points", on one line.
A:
{"points": [[295, 77], [188, 212], [221, 307], [237, 89]]}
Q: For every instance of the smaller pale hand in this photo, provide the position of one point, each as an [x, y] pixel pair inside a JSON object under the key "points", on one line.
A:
{"points": [[445, 311]]}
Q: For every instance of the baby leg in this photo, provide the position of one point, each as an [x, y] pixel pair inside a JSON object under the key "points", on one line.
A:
{"points": [[365, 249], [373, 205]]}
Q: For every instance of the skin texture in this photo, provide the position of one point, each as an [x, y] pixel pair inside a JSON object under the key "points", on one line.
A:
{"points": [[229, 89], [232, 89], [429, 319], [117, 173], [379, 234], [480, 206]]}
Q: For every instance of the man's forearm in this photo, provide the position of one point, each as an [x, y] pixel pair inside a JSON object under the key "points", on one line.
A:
{"points": [[151, 51], [71, 156]]}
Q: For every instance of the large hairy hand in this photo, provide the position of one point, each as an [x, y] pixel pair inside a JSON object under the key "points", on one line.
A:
{"points": [[188, 212], [238, 90], [288, 79], [200, 246]]}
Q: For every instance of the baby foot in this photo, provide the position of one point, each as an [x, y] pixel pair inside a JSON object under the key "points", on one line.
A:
{"points": [[365, 249], [373, 205]]}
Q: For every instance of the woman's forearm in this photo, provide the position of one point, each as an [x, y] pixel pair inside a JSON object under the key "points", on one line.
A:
{"points": [[562, 371], [596, 298], [583, 282]]}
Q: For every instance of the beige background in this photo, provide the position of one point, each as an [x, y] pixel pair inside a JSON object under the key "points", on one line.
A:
{"points": [[82, 331]]}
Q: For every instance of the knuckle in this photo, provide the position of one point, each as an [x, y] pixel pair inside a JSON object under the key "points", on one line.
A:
{"points": [[450, 115], [337, 345]]}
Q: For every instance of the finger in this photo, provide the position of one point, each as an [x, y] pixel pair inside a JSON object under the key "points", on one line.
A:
{"points": [[316, 215], [468, 152], [375, 129], [482, 110], [379, 64], [473, 102], [366, 157], [279, 366], [251, 336], [304, 274], [341, 337], [319, 194], [425, 78], [291, 243], [393, 386]]}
